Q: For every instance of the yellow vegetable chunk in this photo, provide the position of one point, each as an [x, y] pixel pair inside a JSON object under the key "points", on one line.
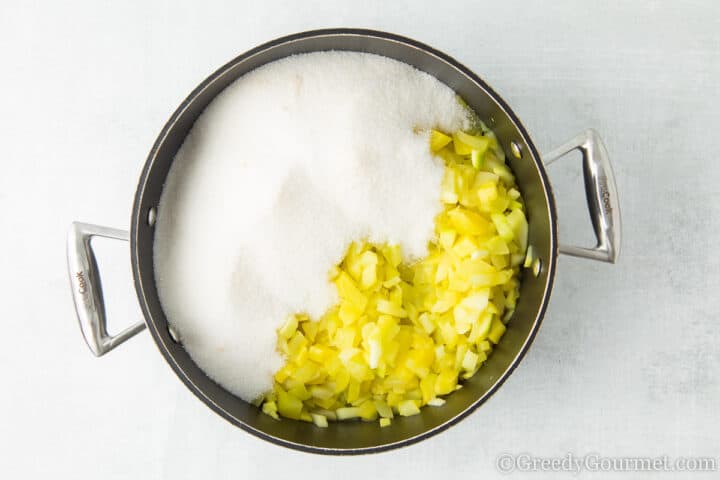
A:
{"points": [[464, 143], [346, 413], [319, 420], [408, 408], [270, 408], [289, 406], [475, 142], [446, 381], [468, 222], [528, 257], [518, 223], [368, 410], [497, 329], [438, 140], [470, 361], [288, 329], [389, 308], [383, 409]]}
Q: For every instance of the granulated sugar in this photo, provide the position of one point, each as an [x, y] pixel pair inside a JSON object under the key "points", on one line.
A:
{"points": [[282, 171]]}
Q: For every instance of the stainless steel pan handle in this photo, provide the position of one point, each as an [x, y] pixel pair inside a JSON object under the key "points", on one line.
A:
{"points": [[87, 289], [602, 197]]}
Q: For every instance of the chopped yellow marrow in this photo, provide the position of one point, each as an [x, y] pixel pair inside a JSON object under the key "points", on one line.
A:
{"points": [[319, 420], [438, 140], [408, 408], [403, 334]]}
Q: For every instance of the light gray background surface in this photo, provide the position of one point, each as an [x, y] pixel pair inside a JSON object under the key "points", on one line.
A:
{"points": [[627, 362]]}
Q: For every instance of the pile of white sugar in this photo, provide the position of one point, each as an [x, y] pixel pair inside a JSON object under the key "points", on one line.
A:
{"points": [[281, 172]]}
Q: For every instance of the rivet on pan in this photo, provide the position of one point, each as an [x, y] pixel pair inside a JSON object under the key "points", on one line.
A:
{"points": [[152, 216], [537, 267], [516, 150], [173, 334]]}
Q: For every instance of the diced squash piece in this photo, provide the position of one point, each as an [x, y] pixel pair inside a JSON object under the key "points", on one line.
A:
{"points": [[465, 143], [319, 420], [475, 142], [427, 387], [468, 222], [348, 291], [476, 158], [408, 408], [518, 223], [469, 361], [389, 308], [270, 408], [289, 327], [504, 173], [465, 246], [438, 140], [368, 410], [383, 409], [289, 406], [528, 257], [497, 329], [446, 381], [447, 238], [346, 413], [502, 226], [300, 392]]}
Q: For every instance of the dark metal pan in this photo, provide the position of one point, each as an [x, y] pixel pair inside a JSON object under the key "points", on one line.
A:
{"points": [[353, 437]]}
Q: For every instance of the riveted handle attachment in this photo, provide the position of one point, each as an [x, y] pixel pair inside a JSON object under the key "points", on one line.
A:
{"points": [[602, 197], [87, 289]]}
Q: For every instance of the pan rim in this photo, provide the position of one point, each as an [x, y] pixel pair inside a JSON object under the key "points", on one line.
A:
{"points": [[137, 220]]}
